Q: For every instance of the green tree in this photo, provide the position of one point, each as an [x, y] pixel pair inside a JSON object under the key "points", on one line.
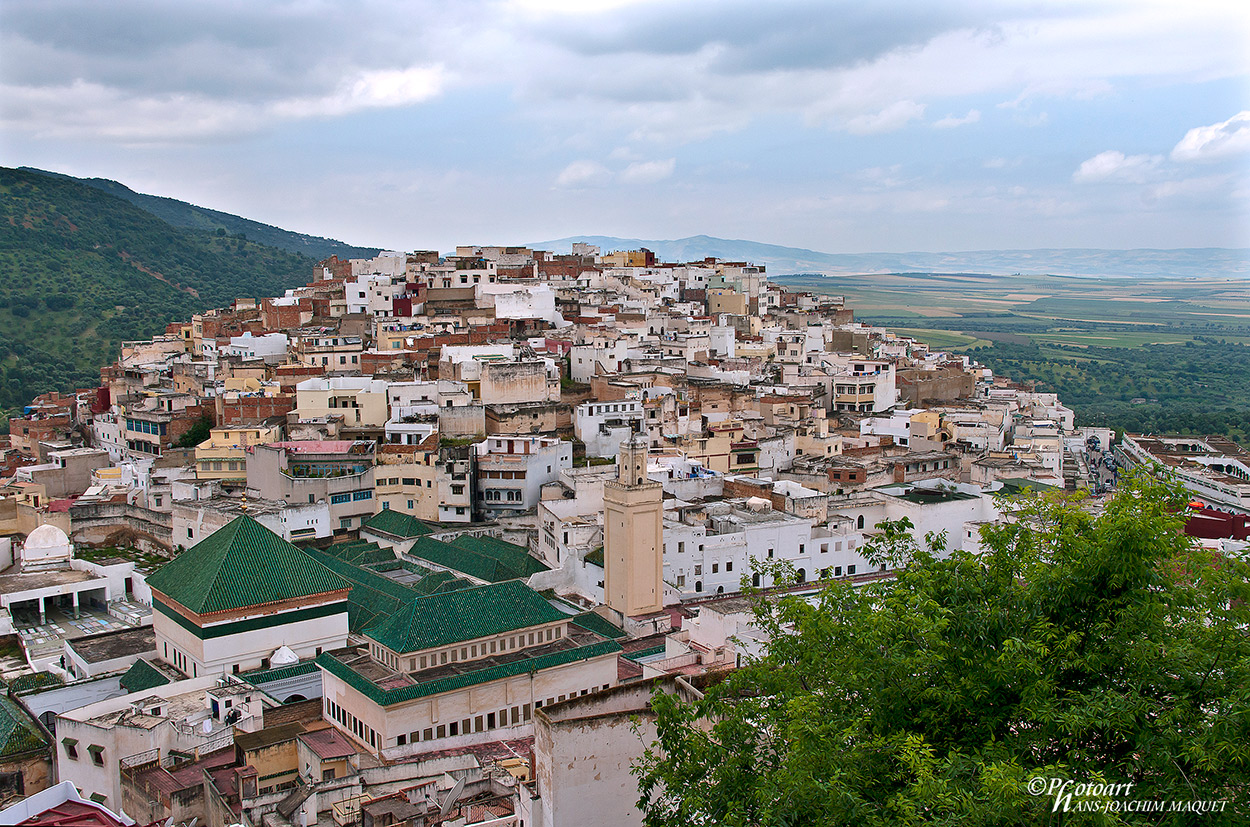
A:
{"points": [[1083, 648], [197, 433]]}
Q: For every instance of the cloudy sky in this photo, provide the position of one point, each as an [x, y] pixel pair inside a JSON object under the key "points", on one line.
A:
{"points": [[837, 126]]}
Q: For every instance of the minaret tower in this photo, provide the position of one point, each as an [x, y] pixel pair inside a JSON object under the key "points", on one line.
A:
{"points": [[633, 542]]}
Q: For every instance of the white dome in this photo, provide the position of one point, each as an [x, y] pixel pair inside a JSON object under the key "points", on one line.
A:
{"points": [[47, 537], [46, 545], [283, 656]]}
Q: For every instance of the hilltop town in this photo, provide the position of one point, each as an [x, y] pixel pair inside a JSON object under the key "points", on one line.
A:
{"points": [[416, 542]]}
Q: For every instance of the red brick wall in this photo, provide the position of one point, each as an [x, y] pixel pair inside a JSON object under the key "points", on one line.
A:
{"points": [[252, 410]]}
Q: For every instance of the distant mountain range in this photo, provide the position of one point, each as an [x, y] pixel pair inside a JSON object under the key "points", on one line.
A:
{"points": [[1208, 262], [190, 217]]}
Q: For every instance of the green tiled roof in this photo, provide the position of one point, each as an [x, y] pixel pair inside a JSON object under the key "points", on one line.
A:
{"points": [[242, 564], [468, 561], [440, 581], [646, 653], [35, 680], [513, 556], [1017, 485], [386, 697], [397, 524], [466, 614], [141, 676], [259, 676], [372, 595], [592, 622], [18, 732]]}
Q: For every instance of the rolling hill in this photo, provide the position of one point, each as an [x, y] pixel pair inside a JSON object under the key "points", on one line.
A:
{"points": [[82, 270], [190, 217]]}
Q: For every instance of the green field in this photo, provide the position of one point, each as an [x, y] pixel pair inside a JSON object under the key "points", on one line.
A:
{"points": [[1135, 354], [941, 339]]}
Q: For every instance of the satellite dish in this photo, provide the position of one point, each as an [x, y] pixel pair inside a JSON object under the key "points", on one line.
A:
{"points": [[452, 797]]}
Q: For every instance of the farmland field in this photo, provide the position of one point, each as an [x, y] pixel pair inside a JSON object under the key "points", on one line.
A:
{"points": [[1150, 354]]}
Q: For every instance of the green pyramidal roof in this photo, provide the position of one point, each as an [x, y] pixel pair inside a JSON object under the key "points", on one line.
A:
{"points": [[242, 564], [397, 523], [142, 675], [467, 614]]}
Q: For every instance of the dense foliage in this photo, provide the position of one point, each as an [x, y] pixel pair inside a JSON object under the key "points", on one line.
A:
{"points": [[1079, 648], [1202, 387], [82, 271], [189, 216]]}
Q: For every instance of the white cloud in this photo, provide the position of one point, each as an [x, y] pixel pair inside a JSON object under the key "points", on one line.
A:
{"points": [[1215, 142], [583, 174], [1192, 188], [85, 109], [1114, 165], [895, 116], [368, 90], [950, 121], [648, 172]]}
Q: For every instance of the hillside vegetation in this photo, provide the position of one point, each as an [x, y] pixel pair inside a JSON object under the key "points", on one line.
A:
{"points": [[189, 216], [82, 271]]}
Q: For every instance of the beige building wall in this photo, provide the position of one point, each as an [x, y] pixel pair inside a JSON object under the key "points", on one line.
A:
{"points": [[633, 544], [724, 300], [223, 456], [360, 405]]}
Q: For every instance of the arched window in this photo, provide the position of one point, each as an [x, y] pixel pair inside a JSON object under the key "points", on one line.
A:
{"points": [[861, 521], [802, 575], [720, 589], [698, 585], [755, 580]]}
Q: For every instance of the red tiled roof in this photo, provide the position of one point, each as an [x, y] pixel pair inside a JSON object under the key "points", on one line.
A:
{"points": [[328, 744], [73, 814], [627, 670]]}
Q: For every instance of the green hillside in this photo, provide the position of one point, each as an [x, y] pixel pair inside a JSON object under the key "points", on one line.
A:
{"points": [[190, 217], [81, 271]]}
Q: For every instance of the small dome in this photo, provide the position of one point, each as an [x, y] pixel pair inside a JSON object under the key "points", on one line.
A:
{"points": [[283, 656], [47, 537]]}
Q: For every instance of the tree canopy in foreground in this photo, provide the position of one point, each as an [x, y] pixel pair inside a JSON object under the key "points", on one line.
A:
{"points": [[1075, 648]]}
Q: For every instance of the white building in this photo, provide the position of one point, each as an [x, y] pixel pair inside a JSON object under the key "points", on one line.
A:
{"points": [[229, 602], [190, 717], [512, 470], [270, 346], [603, 426], [708, 549]]}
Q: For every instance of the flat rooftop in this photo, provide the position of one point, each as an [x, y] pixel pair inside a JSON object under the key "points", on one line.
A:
{"points": [[1186, 451], [112, 645], [15, 580]]}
